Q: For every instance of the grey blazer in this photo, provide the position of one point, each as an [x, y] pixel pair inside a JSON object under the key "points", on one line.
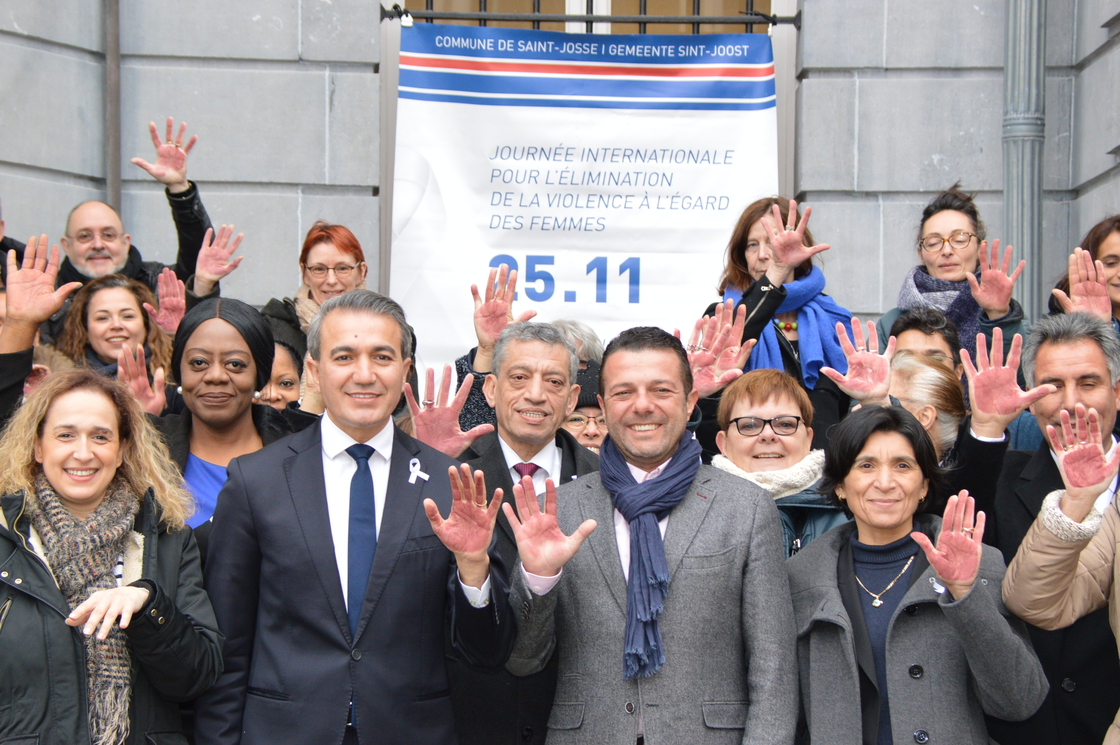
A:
{"points": [[948, 663], [729, 673]]}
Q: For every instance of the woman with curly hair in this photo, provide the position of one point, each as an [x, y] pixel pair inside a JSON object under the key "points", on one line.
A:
{"points": [[108, 314], [104, 625]]}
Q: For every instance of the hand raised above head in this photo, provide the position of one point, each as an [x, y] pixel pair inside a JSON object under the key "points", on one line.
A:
{"points": [[494, 312], [215, 258], [436, 422], [787, 242], [541, 545], [868, 379], [170, 168], [993, 387]]}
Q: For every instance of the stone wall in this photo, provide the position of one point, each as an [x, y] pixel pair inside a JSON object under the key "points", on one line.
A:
{"points": [[283, 95], [898, 100]]}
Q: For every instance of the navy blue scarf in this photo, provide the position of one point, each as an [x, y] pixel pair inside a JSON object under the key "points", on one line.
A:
{"points": [[643, 505]]}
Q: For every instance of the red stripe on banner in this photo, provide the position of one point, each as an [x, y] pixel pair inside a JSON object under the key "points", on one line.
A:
{"points": [[547, 68]]}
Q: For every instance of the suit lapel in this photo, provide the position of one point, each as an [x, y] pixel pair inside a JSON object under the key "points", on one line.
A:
{"points": [[492, 461], [595, 504], [304, 471], [1039, 477], [402, 502], [685, 520]]}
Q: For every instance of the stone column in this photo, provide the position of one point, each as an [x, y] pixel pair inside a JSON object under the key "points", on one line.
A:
{"points": [[1024, 104]]}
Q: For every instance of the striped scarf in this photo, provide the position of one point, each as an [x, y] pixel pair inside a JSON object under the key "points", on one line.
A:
{"points": [[83, 557]]}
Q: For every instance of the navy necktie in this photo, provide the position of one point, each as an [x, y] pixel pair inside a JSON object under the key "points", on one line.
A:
{"points": [[362, 541]]}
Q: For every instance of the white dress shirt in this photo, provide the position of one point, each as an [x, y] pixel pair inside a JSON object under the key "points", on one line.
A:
{"points": [[541, 585], [338, 471], [548, 461]]}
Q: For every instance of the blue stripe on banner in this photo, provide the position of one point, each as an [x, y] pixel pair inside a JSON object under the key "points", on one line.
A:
{"points": [[515, 44], [746, 91], [569, 102]]}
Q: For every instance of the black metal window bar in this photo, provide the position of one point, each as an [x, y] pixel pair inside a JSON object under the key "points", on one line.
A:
{"points": [[747, 17]]}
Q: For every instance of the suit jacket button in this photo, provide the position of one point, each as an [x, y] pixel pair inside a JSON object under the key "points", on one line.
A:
{"points": [[527, 733], [356, 654], [1069, 686], [921, 737], [629, 707], [916, 671]]}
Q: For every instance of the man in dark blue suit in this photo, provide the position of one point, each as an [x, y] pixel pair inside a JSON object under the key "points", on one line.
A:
{"points": [[331, 571]]}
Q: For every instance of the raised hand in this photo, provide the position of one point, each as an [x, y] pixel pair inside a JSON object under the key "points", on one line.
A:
{"points": [[993, 291], [542, 546], [105, 607], [495, 312], [132, 370], [170, 168], [714, 353], [993, 387], [1087, 470], [1088, 291], [31, 295], [787, 243], [214, 258], [956, 558], [437, 423], [868, 379], [466, 532], [172, 294]]}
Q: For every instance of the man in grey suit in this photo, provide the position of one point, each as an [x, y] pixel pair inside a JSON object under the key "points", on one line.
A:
{"points": [[532, 391], [674, 625]]}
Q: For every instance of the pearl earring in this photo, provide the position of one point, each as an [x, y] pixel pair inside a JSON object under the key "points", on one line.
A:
{"points": [[257, 394], [179, 390]]}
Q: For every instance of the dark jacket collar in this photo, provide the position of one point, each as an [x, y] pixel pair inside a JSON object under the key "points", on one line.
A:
{"points": [[131, 269]]}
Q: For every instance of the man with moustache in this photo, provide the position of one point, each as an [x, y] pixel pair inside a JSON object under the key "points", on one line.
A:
{"points": [[532, 391], [1071, 359], [674, 623]]}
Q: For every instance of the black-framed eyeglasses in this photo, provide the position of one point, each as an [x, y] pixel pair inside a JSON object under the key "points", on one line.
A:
{"points": [[958, 240], [341, 271], [752, 426]]}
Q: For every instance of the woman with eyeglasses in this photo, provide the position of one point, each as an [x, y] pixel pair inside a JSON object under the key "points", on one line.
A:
{"points": [[902, 635], [769, 269], [958, 275], [331, 263], [587, 423], [766, 437]]}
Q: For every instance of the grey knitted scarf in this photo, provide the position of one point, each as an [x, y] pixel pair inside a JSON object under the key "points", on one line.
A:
{"points": [[83, 555]]}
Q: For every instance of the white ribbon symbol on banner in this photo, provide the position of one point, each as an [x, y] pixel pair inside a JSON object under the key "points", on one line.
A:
{"points": [[414, 471]]}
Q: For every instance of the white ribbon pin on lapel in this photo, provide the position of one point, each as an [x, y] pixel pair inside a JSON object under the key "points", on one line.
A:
{"points": [[414, 471]]}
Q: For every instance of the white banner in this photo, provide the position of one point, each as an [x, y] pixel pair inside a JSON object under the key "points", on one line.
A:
{"points": [[609, 170]]}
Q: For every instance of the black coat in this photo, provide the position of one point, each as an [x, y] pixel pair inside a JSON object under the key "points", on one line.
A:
{"points": [[176, 432], [191, 224], [830, 404], [174, 641], [497, 707], [1081, 660]]}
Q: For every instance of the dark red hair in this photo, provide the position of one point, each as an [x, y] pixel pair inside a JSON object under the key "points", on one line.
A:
{"points": [[339, 235]]}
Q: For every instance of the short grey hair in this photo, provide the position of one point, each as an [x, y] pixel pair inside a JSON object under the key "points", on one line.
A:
{"points": [[929, 383], [583, 337], [362, 301], [529, 331], [1072, 328]]}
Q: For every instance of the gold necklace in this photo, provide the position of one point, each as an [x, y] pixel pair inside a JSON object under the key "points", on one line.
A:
{"points": [[877, 602]]}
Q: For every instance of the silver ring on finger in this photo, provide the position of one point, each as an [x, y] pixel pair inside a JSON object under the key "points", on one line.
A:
{"points": [[428, 403]]}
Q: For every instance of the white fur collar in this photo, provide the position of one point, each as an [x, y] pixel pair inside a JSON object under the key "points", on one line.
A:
{"points": [[792, 480]]}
